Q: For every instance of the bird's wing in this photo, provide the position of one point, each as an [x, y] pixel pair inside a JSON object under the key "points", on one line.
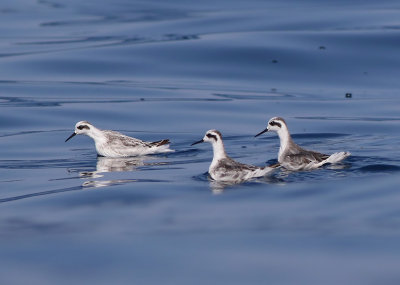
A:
{"points": [[232, 165], [118, 140], [160, 143], [304, 160], [306, 157], [233, 171]]}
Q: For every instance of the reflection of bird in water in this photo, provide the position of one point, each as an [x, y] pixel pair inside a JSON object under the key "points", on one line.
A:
{"points": [[293, 157], [115, 144], [218, 187], [110, 164], [225, 169], [103, 183]]}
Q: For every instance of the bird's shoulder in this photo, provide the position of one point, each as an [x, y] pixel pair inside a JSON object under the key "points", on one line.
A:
{"points": [[305, 156], [232, 165], [116, 138]]}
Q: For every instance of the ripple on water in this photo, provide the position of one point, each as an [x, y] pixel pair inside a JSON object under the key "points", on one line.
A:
{"points": [[380, 168], [180, 68]]}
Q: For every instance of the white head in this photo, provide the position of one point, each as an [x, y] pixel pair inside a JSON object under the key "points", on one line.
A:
{"points": [[276, 124], [215, 138], [81, 128], [211, 136]]}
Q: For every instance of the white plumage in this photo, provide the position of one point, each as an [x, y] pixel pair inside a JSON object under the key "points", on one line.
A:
{"points": [[292, 156], [225, 169], [114, 144]]}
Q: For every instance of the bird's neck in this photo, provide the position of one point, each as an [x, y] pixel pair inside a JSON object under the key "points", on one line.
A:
{"points": [[97, 135], [285, 139], [219, 150]]}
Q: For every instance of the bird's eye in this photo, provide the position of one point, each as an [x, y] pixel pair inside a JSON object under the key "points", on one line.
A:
{"points": [[212, 136], [81, 127], [273, 123]]}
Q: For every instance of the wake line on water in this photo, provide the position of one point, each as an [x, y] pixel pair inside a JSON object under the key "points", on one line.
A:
{"points": [[15, 198]]}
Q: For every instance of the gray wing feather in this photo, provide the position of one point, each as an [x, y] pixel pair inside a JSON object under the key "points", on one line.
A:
{"points": [[232, 165], [117, 140], [306, 157], [299, 155], [229, 169]]}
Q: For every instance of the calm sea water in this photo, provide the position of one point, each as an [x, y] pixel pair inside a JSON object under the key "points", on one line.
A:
{"points": [[174, 69]]}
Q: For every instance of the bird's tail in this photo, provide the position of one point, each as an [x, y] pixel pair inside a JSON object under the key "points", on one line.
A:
{"points": [[162, 146], [160, 143], [338, 156], [265, 171]]}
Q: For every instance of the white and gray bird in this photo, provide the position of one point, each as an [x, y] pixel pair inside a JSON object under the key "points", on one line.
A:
{"points": [[225, 169], [293, 157], [114, 144]]}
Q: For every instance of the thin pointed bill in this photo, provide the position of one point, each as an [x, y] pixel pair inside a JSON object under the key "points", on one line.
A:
{"points": [[200, 141], [260, 133], [70, 137]]}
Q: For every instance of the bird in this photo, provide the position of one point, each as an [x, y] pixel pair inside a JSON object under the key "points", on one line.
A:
{"points": [[225, 169], [114, 144], [293, 157]]}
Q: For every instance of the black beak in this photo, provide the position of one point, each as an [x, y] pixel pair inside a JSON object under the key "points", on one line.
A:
{"points": [[200, 141], [264, 131], [70, 137]]}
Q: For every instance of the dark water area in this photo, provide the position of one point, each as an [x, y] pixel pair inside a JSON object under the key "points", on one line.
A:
{"points": [[175, 69]]}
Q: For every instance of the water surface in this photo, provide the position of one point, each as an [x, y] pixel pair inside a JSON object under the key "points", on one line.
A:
{"points": [[156, 70]]}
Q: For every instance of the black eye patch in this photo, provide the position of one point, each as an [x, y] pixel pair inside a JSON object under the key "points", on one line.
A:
{"points": [[273, 123], [212, 136], [81, 127]]}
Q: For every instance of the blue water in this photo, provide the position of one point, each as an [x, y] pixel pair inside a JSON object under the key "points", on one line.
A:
{"points": [[174, 69]]}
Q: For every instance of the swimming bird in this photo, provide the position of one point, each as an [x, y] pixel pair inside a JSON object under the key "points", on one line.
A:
{"points": [[114, 144], [225, 169], [293, 157]]}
